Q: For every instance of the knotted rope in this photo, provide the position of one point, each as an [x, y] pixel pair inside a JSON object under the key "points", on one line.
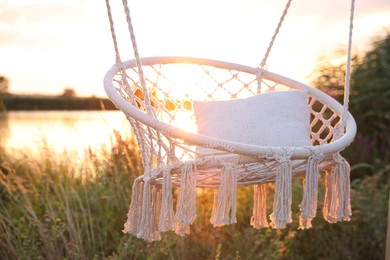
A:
{"points": [[263, 63]]}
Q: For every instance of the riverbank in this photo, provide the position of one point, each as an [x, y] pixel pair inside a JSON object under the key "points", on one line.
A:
{"points": [[13, 102]]}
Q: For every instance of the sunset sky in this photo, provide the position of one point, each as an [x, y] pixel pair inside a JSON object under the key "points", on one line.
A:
{"points": [[47, 45]]}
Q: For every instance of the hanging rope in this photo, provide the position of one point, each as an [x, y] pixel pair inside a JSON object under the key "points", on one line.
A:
{"points": [[112, 28], [135, 48], [340, 129], [147, 104], [348, 69], [264, 61], [149, 108], [259, 75]]}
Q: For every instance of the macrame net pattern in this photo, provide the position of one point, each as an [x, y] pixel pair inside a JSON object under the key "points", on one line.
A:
{"points": [[171, 94]]}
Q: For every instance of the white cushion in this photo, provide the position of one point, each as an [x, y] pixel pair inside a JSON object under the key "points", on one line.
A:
{"points": [[270, 119]]}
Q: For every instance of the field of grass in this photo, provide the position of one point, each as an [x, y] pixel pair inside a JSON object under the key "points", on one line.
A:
{"points": [[56, 207]]}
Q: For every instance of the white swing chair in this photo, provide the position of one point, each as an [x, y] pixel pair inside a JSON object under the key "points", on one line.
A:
{"points": [[213, 124]]}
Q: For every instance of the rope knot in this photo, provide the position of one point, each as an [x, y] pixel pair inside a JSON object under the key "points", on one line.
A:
{"points": [[283, 191], [146, 177], [259, 77], [317, 153], [337, 158], [228, 165], [284, 156]]}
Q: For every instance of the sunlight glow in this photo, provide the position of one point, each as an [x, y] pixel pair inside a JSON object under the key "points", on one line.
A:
{"points": [[186, 121]]}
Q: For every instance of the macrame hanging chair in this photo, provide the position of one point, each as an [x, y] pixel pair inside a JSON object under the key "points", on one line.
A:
{"points": [[213, 124]]}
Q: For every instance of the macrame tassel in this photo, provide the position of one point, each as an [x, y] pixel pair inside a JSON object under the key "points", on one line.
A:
{"points": [[167, 215], [133, 222], [215, 207], [310, 194], [337, 205], [182, 229], [155, 214], [329, 191], [259, 215], [146, 231], [186, 203], [224, 208], [283, 194]]}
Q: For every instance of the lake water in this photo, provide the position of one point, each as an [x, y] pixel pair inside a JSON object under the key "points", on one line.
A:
{"points": [[71, 131]]}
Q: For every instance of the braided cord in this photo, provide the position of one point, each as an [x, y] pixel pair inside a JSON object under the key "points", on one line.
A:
{"points": [[264, 61], [348, 69], [341, 127], [112, 28], [148, 107]]}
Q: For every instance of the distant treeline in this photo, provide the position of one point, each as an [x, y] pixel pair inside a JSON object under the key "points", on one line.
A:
{"points": [[31, 102]]}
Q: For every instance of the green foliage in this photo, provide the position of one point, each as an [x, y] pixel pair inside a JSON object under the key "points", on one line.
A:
{"points": [[350, 240], [370, 97]]}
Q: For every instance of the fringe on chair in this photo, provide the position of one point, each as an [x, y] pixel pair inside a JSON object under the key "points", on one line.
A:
{"points": [[224, 208], [166, 221], [186, 203], [259, 214], [337, 205], [146, 226], [310, 194], [283, 193], [151, 209], [133, 222], [182, 229], [155, 213]]}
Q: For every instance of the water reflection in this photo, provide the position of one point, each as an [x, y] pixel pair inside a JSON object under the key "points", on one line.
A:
{"points": [[71, 131]]}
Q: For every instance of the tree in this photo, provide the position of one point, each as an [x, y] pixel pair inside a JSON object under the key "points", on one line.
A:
{"points": [[370, 95], [68, 92], [4, 84]]}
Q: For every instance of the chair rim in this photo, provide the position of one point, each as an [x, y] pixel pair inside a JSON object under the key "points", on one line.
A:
{"points": [[197, 139]]}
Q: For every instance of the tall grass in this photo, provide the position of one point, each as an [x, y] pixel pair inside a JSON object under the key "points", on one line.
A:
{"points": [[56, 207]]}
